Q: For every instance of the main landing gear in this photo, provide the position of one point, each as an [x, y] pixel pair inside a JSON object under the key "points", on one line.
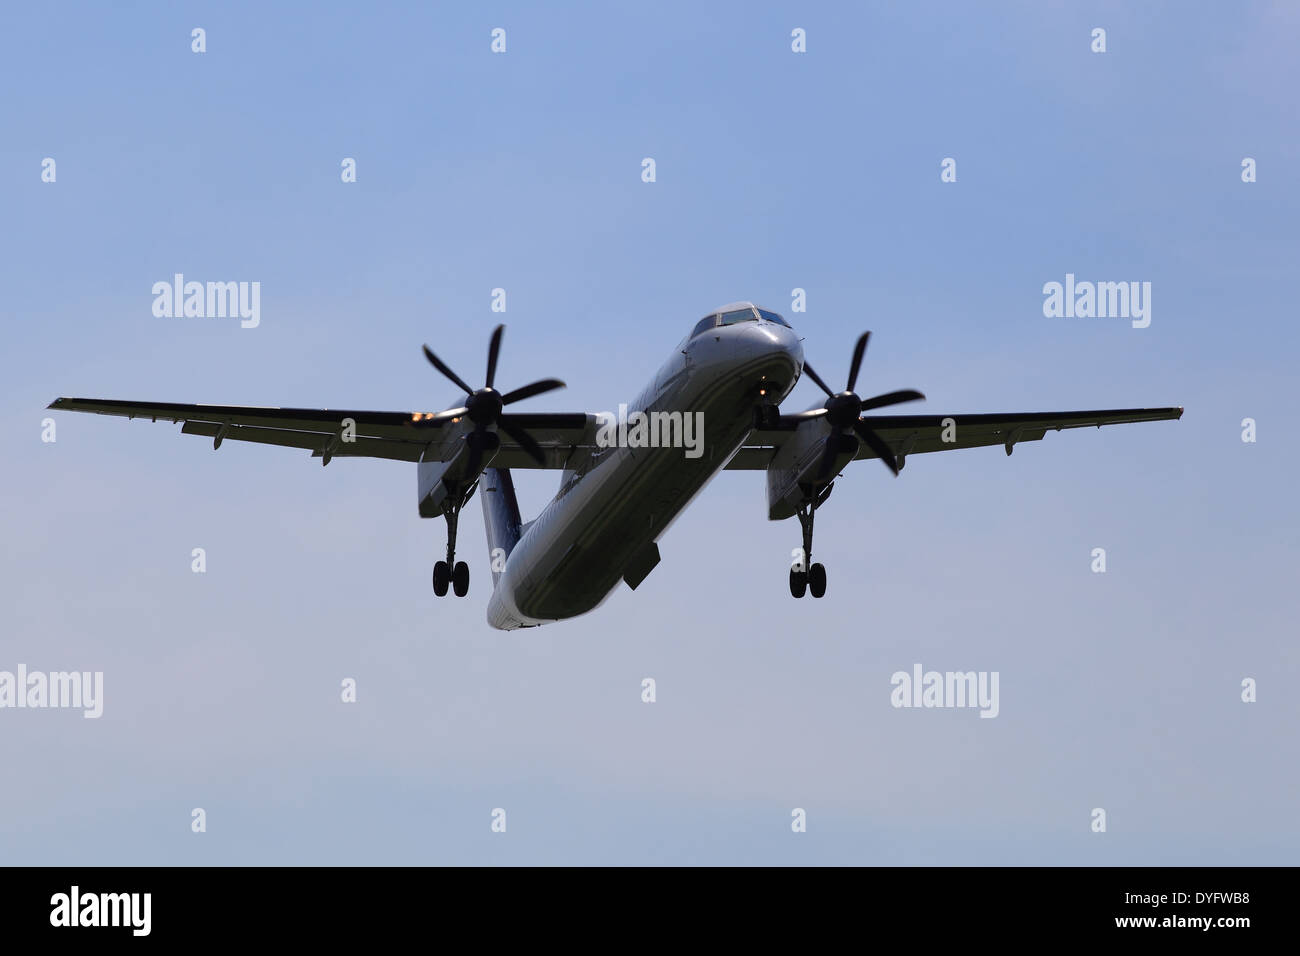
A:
{"points": [[451, 571], [814, 578]]}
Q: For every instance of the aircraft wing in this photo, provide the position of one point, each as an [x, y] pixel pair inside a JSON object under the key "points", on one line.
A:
{"points": [[401, 436], [406, 436], [916, 434]]}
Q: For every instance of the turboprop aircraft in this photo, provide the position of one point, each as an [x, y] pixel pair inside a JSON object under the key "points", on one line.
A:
{"points": [[713, 405]]}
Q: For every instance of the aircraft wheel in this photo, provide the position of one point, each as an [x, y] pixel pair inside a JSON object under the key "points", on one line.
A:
{"points": [[460, 579], [440, 578], [798, 583], [817, 580]]}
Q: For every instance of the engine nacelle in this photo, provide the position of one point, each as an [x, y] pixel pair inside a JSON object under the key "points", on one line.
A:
{"points": [[441, 481], [433, 490], [794, 468]]}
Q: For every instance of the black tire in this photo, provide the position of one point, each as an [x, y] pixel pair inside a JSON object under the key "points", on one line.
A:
{"points": [[460, 579], [441, 577], [817, 580], [798, 583]]}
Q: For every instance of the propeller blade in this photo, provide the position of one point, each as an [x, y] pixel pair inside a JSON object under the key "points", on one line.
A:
{"points": [[439, 418], [475, 451], [804, 416], [892, 398], [808, 370], [876, 444], [829, 455], [494, 349], [856, 364], [446, 370], [522, 439], [528, 391]]}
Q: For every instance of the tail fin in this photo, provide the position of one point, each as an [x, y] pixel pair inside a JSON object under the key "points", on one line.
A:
{"points": [[500, 517]]}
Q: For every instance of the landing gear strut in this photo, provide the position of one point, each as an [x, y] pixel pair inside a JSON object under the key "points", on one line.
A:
{"points": [[814, 577], [451, 571]]}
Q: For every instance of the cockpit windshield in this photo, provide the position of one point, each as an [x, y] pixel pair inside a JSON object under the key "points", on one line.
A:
{"points": [[739, 315], [706, 323], [738, 312]]}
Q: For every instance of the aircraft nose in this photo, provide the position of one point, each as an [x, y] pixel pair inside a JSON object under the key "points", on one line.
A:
{"points": [[780, 352], [792, 345], [768, 337]]}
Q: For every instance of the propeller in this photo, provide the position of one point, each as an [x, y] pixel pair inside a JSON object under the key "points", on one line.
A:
{"points": [[842, 410], [485, 408]]}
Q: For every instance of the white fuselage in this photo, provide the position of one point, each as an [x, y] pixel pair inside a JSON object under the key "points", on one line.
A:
{"points": [[573, 555]]}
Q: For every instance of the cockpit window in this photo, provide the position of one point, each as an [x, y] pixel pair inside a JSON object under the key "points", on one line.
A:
{"points": [[773, 317], [706, 323], [740, 315]]}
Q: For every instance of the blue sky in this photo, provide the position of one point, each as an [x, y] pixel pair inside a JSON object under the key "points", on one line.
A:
{"points": [[775, 170]]}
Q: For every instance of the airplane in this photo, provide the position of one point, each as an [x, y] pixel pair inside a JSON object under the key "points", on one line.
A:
{"points": [[620, 488]]}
